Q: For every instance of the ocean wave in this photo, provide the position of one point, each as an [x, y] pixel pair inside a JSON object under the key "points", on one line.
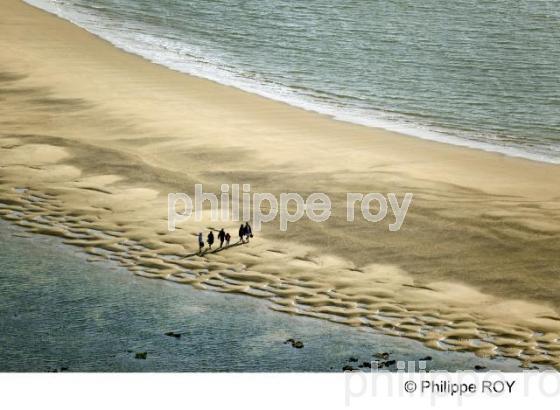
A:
{"points": [[158, 46]]}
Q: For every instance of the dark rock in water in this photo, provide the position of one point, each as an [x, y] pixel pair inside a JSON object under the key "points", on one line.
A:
{"points": [[348, 368], [173, 334], [381, 364], [479, 367], [56, 370], [141, 355], [383, 355], [353, 359], [297, 344], [366, 364], [426, 359]]}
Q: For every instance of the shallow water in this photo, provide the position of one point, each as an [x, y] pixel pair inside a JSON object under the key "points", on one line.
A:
{"points": [[476, 73], [59, 311]]}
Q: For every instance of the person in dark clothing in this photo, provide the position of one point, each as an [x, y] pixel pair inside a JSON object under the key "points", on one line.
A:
{"points": [[210, 239], [248, 231], [242, 233], [228, 238], [200, 242], [222, 237]]}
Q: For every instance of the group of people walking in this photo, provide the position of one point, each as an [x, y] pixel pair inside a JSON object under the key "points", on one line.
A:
{"points": [[245, 232]]}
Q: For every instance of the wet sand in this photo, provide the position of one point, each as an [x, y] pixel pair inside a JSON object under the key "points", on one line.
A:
{"points": [[92, 140], [94, 317]]}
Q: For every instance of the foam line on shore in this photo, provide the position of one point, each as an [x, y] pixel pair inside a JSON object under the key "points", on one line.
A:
{"points": [[154, 52]]}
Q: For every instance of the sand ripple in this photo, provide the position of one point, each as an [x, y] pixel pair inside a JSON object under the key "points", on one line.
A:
{"points": [[283, 276]]}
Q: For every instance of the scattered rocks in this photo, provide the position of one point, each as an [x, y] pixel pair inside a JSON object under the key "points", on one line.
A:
{"points": [[426, 359], [56, 370], [479, 367], [366, 364], [353, 359], [383, 355], [141, 355], [387, 363], [173, 334], [528, 366], [295, 343], [348, 368]]}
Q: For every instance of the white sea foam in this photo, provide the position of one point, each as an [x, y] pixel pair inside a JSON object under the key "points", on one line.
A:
{"points": [[155, 46]]}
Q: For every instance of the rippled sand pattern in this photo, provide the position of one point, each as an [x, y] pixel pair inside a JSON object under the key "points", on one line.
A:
{"points": [[293, 278], [93, 139]]}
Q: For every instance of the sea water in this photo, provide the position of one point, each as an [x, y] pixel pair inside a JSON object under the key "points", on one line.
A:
{"points": [[479, 73], [59, 312]]}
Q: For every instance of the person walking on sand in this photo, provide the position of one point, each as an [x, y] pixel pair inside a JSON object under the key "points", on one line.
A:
{"points": [[242, 234], [248, 231], [200, 243], [228, 238], [210, 240], [222, 237]]}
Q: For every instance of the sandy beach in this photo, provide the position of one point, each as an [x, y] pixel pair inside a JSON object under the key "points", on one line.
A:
{"points": [[93, 139]]}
